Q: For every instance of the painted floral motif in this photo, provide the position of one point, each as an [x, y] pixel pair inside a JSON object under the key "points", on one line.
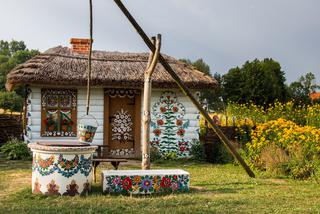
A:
{"points": [[169, 127], [67, 168], [45, 163], [86, 188], [127, 183], [44, 166], [72, 189], [52, 188], [37, 186], [86, 165], [165, 182], [68, 164], [86, 133], [147, 184], [122, 126], [122, 152]]}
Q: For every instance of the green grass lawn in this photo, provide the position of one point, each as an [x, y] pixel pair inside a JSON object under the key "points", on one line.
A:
{"points": [[214, 189]]}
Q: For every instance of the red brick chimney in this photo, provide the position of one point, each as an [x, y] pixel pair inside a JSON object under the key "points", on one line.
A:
{"points": [[80, 46]]}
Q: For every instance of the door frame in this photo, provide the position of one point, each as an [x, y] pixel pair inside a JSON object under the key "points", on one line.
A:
{"points": [[137, 118]]}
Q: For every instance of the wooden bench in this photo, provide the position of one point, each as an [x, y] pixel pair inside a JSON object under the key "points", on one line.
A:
{"points": [[102, 153], [145, 181]]}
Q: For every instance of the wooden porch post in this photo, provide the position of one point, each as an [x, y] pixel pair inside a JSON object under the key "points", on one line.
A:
{"points": [[152, 62]]}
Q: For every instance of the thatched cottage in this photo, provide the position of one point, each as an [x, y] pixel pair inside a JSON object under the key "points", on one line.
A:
{"points": [[56, 99]]}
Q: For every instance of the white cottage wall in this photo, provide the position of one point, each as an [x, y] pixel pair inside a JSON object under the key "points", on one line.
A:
{"points": [[97, 110], [34, 114]]}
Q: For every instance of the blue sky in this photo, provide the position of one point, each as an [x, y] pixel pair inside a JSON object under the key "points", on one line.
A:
{"points": [[225, 33]]}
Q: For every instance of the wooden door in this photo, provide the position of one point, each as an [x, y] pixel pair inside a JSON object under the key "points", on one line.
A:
{"points": [[122, 134]]}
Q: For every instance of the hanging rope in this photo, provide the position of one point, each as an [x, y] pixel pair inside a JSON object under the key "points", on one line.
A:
{"points": [[89, 58]]}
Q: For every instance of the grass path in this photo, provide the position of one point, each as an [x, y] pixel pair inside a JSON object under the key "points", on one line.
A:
{"points": [[214, 189]]}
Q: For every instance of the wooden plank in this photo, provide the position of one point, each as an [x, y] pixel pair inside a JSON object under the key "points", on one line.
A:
{"points": [[106, 120], [137, 128]]}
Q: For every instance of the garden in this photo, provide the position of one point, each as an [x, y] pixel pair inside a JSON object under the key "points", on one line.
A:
{"points": [[282, 139], [214, 189], [281, 144]]}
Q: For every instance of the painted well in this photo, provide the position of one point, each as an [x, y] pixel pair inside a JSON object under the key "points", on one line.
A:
{"points": [[61, 168]]}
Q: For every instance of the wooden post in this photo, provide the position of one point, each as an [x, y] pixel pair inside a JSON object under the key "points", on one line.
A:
{"points": [[184, 89], [152, 62]]}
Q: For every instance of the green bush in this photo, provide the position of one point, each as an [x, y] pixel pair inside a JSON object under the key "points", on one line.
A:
{"points": [[154, 154], [15, 149], [170, 156], [197, 151], [217, 153], [222, 156]]}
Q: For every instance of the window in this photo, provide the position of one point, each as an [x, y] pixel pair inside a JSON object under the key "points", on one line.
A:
{"points": [[59, 112]]}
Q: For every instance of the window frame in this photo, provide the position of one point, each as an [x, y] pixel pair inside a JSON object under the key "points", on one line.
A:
{"points": [[45, 92]]}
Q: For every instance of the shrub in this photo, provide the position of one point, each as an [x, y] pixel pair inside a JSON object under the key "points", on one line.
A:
{"points": [[297, 112], [169, 156], [283, 146], [197, 151], [313, 116], [243, 132], [154, 154], [217, 153], [15, 149]]}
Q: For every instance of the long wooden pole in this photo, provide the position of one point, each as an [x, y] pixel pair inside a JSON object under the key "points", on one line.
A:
{"points": [[152, 62], [89, 57], [185, 90]]}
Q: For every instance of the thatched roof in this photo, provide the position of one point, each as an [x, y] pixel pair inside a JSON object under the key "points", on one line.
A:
{"points": [[61, 66]]}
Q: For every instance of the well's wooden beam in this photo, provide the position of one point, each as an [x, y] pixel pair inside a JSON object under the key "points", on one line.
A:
{"points": [[184, 89], [152, 62]]}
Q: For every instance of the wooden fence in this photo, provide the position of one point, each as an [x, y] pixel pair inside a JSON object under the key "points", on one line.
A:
{"points": [[10, 126]]}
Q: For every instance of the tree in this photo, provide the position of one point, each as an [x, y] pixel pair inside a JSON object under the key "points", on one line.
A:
{"points": [[300, 90], [212, 96], [11, 54], [260, 82], [10, 101]]}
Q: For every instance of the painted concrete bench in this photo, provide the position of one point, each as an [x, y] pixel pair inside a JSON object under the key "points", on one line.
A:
{"points": [[145, 181]]}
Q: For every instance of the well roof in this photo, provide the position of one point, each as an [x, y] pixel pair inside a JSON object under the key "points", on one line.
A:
{"points": [[59, 66]]}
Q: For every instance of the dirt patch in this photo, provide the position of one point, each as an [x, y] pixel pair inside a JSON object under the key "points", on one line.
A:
{"points": [[13, 182], [278, 181]]}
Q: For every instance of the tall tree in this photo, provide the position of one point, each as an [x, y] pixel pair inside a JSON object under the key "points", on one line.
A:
{"points": [[260, 82], [11, 54], [301, 89], [212, 96]]}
